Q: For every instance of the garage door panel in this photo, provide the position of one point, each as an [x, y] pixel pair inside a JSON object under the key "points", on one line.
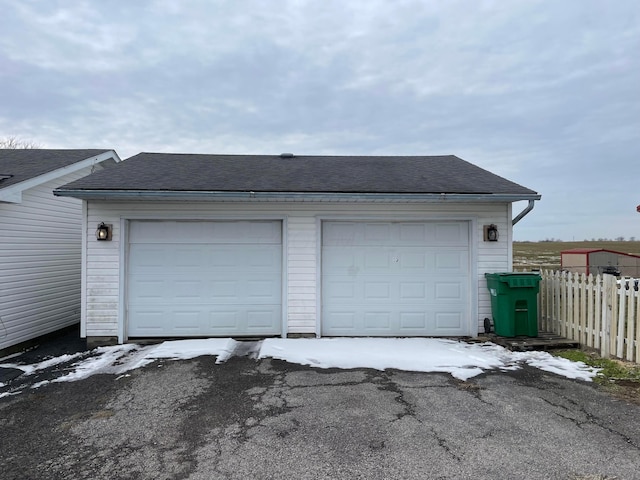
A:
{"points": [[195, 232], [377, 290], [151, 259], [380, 320], [185, 258], [186, 321], [449, 291], [260, 291], [338, 257], [227, 319], [149, 322], [412, 321], [377, 320], [266, 256], [375, 233], [376, 259], [453, 233], [362, 291], [427, 290], [411, 233], [413, 261], [397, 233], [238, 317], [448, 320], [204, 282], [221, 289], [187, 289], [341, 322], [259, 319], [220, 257], [395, 278], [337, 289], [229, 291], [394, 261], [403, 323], [412, 291], [451, 262], [342, 233], [147, 289]]}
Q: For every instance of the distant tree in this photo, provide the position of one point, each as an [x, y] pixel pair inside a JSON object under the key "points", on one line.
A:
{"points": [[619, 239], [632, 239], [16, 143]]}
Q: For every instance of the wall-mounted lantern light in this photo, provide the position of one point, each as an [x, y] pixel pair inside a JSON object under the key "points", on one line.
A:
{"points": [[490, 233], [104, 231]]}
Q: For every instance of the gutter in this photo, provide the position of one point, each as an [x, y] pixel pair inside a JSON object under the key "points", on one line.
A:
{"points": [[524, 212], [311, 196]]}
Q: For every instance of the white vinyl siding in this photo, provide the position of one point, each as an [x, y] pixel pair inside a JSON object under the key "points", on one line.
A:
{"points": [[301, 239], [301, 274], [40, 262]]}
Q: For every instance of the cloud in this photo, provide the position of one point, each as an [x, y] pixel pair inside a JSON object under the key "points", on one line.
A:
{"points": [[541, 92]]}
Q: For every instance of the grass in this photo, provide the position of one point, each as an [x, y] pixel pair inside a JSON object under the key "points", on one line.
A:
{"points": [[610, 369], [546, 255]]}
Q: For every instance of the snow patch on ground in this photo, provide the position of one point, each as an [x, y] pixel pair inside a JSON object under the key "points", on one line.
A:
{"points": [[460, 359], [35, 367]]}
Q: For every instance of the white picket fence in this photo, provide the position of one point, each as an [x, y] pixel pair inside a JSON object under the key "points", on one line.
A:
{"points": [[596, 311]]}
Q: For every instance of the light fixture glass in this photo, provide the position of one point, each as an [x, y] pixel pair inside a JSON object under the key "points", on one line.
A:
{"points": [[492, 233], [102, 233]]}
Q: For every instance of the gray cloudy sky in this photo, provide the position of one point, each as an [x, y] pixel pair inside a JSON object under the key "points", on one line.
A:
{"points": [[545, 93]]}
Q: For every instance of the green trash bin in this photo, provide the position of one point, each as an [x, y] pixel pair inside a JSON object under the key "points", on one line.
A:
{"points": [[514, 303]]}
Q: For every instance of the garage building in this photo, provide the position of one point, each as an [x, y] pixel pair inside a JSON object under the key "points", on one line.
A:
{"points": [[286, 245]]}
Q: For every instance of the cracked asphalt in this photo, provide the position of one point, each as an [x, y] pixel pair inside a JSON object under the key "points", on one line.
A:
{"points": [[247, 418]]}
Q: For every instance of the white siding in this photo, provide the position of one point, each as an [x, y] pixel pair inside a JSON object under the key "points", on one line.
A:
{"points": [[40, 262], [103, 291], [301, 274]]}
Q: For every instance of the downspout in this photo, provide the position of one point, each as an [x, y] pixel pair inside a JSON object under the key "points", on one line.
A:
{"points": [[522, 214]]}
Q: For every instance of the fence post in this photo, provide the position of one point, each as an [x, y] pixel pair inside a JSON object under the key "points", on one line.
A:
{"points": [[543, 302], [621, 321], [557, 296], [608, 303]]}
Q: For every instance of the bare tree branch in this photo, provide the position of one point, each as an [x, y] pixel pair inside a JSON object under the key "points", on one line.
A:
{"points": [[16, 143]]}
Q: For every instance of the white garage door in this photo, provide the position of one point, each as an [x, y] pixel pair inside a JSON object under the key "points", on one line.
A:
{"points": [[395, 278], [204, 278]]}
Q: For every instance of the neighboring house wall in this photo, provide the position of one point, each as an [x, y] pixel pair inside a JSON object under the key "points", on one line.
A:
{"points": [[575, 262], [103, 297], [40, 251], [595, 262], [599, 261], [629, 266]]}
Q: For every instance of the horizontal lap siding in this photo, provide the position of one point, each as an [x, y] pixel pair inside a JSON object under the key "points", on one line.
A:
{"points": [[492, 256], [301, 237], [40, 263], [102, 291], [301, 274]]}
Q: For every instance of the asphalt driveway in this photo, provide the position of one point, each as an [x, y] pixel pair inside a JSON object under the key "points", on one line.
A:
{"points": [[247, 418]]}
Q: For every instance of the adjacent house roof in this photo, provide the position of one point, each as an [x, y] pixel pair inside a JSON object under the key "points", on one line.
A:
{"points": [[587, 250], [160, 174], [24, 168]]}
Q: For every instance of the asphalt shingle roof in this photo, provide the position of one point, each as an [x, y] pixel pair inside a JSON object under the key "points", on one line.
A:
{"points": [[305, 173], [18, 165]]}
